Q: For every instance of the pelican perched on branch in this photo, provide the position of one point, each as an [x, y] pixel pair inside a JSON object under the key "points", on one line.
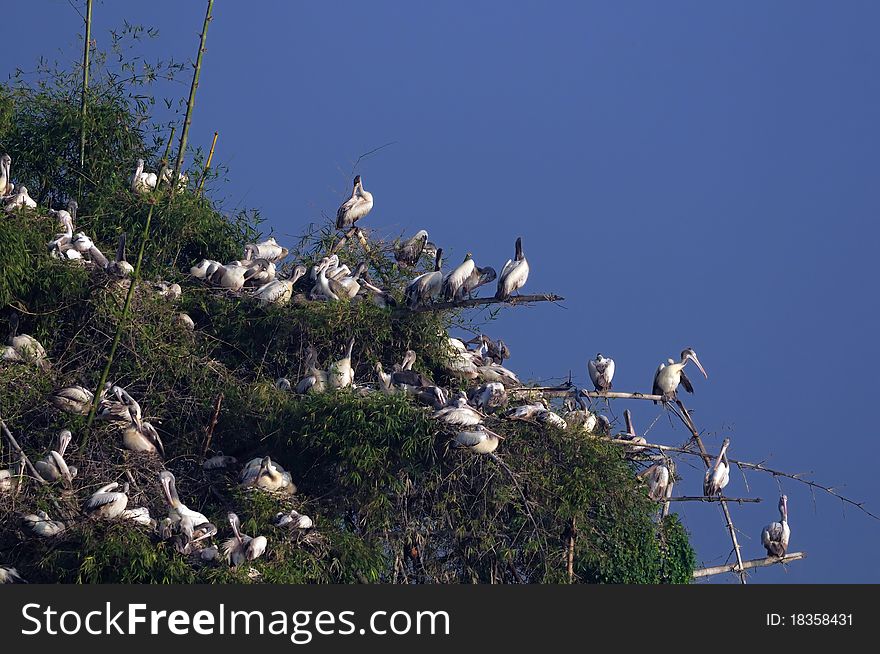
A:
{"points": [[142, 182], [492, 372], [106, 503], [264, 474], [454, 281], [601, 372], [637, 441], [718, 475], [657, 478], [268, 249], [53, 467], [774, 536], [356, 207], [191, 523], [669, 376], [409, 252], [426, 286], [241, 547], [341, 374], [514, 274], [478, 440], [40, 524], [478, 277]]}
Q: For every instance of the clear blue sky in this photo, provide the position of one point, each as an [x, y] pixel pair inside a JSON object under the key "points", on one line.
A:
{"points": [[684, 173]]}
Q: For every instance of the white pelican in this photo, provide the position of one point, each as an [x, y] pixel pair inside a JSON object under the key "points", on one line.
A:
{"points": [[106, 503], [9, 575], [356, 207], [657, 478], [26, 347], [6, 186], [669, 376], [601, 372], [218, 462], [341, 374], [40, 524], [268, 249], [293, 520], [478, 440], [10, 478], [168, 175], [204, 268], [20, 199], [775, 536], [459, 414], [142, 182], [264, 474], [489, 396], [514, 274], [409, 252], [455, 280], [279, 291], [120, 267], [719, 474], [53, 467], [492, 372], [478, 277], [426, 286], [141, 436], [241, 547], [73, 399], [191, 523]]}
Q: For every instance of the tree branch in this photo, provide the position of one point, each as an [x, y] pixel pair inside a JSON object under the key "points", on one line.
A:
{"points": [[480, 301], [754, 563], [700, 498]]}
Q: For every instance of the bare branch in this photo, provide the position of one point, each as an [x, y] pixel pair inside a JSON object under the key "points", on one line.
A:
{"points": [[754, 563], [480, 301]]}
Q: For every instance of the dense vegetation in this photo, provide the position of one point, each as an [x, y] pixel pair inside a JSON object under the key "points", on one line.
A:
{"points": [[391, 501]]}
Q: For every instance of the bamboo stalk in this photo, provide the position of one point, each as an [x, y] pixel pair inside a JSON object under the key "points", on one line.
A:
{"points": [[181, 150], [24, 457], [163, 163], [207, 164], [480, 301], [85, 87], [571, 537], [753, 563]]}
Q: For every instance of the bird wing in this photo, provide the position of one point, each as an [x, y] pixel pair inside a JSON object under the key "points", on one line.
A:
{"points": [[688, 386], [470, 438], [656, 389], [101, 499]]}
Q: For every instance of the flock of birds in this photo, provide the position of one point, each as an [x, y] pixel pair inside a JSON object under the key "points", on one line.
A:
{"points": [[479, 362]]}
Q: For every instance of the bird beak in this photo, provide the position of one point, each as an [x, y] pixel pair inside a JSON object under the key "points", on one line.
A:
{"points": [[693, 357]]}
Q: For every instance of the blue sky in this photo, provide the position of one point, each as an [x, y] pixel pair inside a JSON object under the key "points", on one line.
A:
{"points": [[685, 174]]}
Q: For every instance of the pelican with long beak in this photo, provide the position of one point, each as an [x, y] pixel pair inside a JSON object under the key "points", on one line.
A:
{"points": [[119, 266], [141, 436], [67, 220], [54, 467], [410, 251], [478, 440], [774, 537], [315, 379], [25, 346], [657, 478], [356, 207], [341, 374], [455, 280], [233, 276], [40, 524], [205, 268], [266, 475], [514, 274], [142, 182], [601, 372], [19, 200], [459, 414], [241, 547], [478, 277], [6, 186], [107, 503], [123, 409], [268, 249], [73, 399], [718, 475], [279, 291], [490, 395], [637, 441], [669, 376], [426, 286], [191, 523]]}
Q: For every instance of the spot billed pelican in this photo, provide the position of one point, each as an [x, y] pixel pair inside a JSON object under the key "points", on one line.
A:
{"points": [[20, 199], [26, 347], [40, 524], [426, 286], [190, 522], [9, 575], [6, 186], [233, 276], [293, 520], [479, 440], [490, 372], [141, 436], [204, 268], [514, 274], [142, 182], [315, 380], [268, 249], [241, 547], [669, 376], [356, 207], [107, 504], [631, 436], [11, 478], [478, 277], [279, 291], [601, 372], [459, 414], [73, 399], [341, 374], [410, 251], [53, 467], [264, 474], [454, 281], [657, 479], [490, 395], [774, 536], [719, 474], [119, 266]]}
